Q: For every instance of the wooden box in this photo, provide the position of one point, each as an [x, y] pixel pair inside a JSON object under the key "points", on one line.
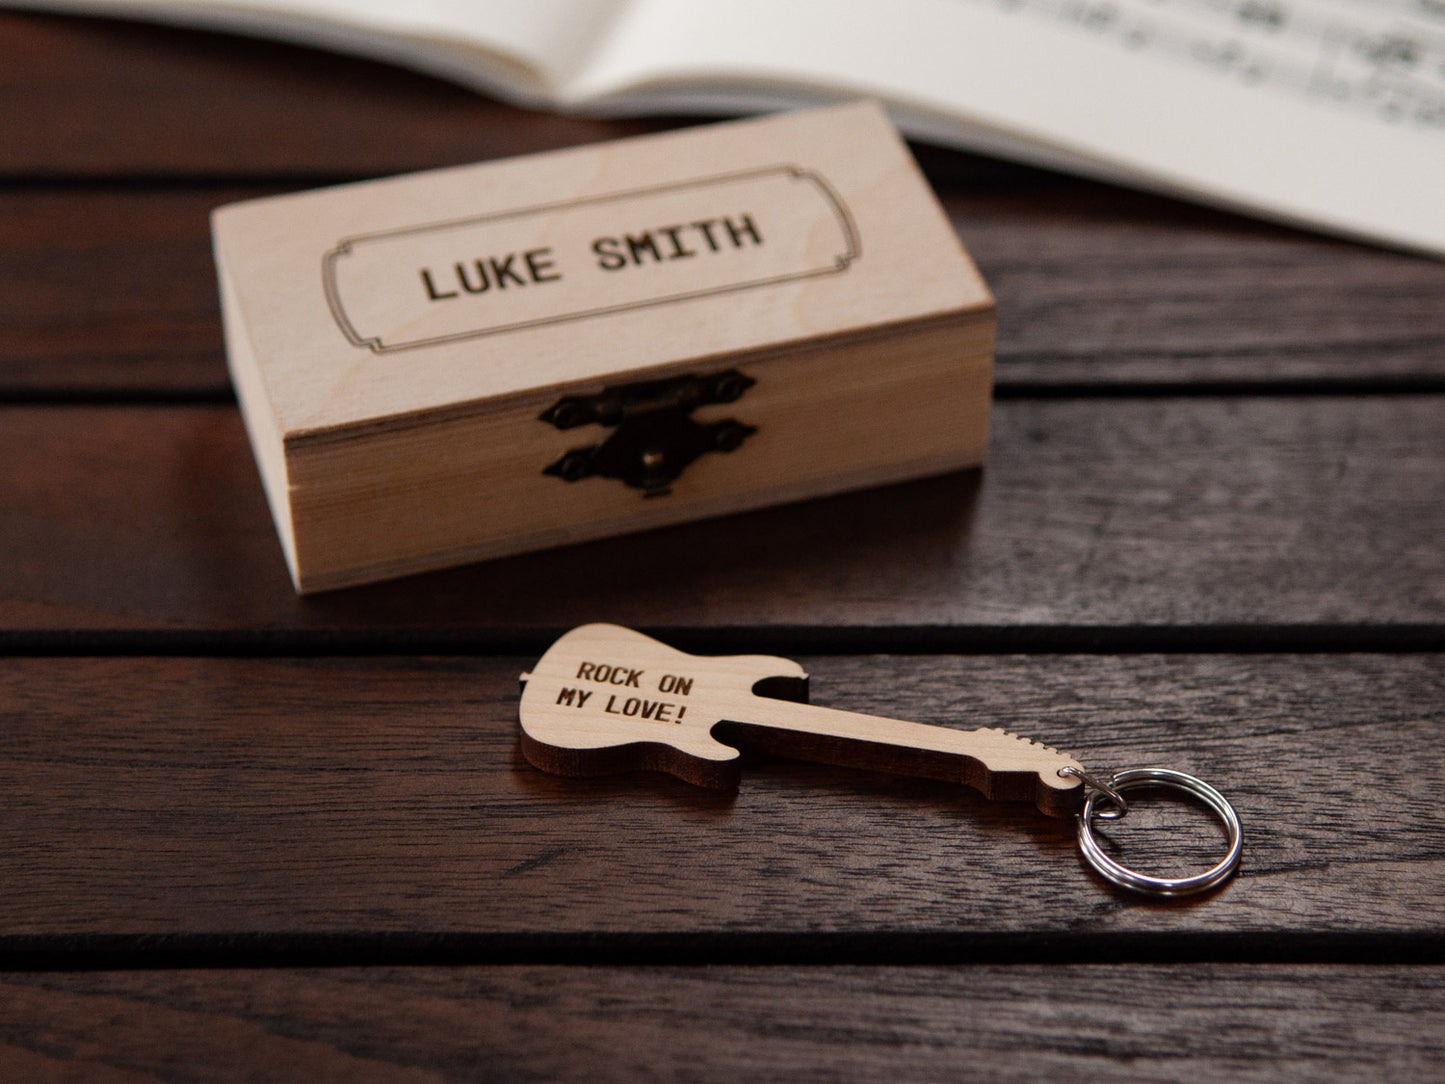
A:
{"points": [[477, 361]]}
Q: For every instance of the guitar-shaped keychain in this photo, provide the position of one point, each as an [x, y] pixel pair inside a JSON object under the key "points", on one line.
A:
{"points": [[605, 699]]}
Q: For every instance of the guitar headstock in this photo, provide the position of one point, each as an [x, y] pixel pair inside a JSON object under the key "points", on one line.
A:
{"points": [[606, 699]]}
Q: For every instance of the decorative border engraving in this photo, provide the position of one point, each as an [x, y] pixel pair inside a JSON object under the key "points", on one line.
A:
{"points": [[397, 245]]}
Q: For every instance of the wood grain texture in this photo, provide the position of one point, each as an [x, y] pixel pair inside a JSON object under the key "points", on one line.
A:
{"points": [[1175, 295], [231, 802], [107, 99], [236, 811], [1180, 295], [77, 318], [1099, 513], [1235, 1023]]}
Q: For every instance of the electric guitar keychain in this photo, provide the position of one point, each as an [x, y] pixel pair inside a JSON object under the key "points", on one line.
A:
{"points": [[605, 699]]}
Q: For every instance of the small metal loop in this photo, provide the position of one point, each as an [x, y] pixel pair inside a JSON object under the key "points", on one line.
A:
{"points": [[1104, 787], [1122, 875]]}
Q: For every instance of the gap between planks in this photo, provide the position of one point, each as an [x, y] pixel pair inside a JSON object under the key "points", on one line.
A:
{"points": [[707, 948], [786, 640]]}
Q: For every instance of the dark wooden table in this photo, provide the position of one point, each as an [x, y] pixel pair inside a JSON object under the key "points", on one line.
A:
{"points": [[250, 835]]}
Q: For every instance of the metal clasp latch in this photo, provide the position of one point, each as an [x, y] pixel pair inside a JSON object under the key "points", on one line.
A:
{"points": [[656, 436]]}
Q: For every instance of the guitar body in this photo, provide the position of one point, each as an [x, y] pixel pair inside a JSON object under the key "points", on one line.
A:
{"points": [[606, 699]]}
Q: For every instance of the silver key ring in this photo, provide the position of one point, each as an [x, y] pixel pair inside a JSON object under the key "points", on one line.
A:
{"points": [[1133, 779]]}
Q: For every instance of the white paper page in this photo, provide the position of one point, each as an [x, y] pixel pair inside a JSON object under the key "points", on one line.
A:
{"points": [[1329, 113], [520, 48]]}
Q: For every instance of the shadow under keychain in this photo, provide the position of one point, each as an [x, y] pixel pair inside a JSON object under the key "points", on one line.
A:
{"points": [[605, 699]]}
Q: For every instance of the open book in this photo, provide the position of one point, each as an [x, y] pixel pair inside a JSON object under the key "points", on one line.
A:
{"points": [[1325, 113]]}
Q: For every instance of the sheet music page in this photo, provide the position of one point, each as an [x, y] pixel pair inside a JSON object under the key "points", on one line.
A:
{"points": [[1325, 112]]}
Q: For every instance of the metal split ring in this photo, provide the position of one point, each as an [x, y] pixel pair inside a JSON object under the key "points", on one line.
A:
{"points": [[1134, 779]]}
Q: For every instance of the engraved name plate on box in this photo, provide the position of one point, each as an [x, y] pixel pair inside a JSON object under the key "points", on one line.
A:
{"points": [[478, 361]]}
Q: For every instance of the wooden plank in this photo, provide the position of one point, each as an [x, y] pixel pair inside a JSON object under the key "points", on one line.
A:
{"points": [[1109, 514], [225, 808], [1096, 286], [998, 1023], [110, 292], [114, 291], [108, 99]]}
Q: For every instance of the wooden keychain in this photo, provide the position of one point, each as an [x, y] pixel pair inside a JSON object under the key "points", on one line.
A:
{"points": [[606, 699]]}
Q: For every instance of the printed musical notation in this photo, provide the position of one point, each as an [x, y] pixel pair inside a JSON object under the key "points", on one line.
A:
{"points": [[1386, 57]]}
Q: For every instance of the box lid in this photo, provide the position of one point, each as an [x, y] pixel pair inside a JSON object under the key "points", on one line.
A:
{"points": [[385, 300]]}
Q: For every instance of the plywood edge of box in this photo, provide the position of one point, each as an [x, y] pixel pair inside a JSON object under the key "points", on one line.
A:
{"points": [[258, 415]]}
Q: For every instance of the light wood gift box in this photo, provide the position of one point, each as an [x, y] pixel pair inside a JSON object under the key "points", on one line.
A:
{"points": [[477, 361]]}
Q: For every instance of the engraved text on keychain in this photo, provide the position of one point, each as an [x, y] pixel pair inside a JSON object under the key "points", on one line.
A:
{"points": [[606, 699]]}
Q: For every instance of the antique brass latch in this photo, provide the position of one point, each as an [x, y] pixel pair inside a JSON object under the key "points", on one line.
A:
{"points": [[656, 437]]}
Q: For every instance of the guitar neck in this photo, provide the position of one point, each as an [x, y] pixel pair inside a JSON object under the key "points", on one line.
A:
{"points": [[991, 761]]}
